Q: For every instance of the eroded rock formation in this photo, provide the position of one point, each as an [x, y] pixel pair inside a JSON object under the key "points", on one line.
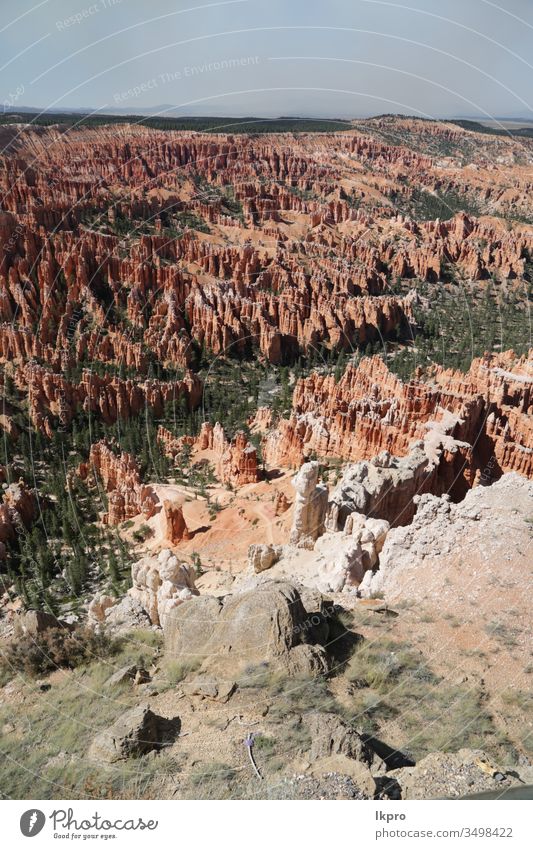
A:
{"points": [[235, 460], [310, 507], [111, 254], [17, 511], [416, 560], [160, 584], [174, 528], [53, 400], [262, 557], [346, 557], [119, 473], [447, 427], [263, 625]]}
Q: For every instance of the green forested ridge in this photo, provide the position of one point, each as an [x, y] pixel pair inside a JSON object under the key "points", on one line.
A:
{"points": [[204, 125]]}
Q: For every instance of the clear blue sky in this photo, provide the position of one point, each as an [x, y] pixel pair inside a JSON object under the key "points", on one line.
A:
{"points": [[271, 57]]}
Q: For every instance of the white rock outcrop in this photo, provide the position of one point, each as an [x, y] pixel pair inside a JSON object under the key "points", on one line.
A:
{"points": [[263, 556], [310, 507], [347, 557], [386, 485], [161, 583], [440, 528], [98, 606]]}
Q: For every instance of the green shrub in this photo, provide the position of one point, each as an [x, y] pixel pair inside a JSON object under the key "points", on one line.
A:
{"points": [[55, 648], [142, 533]]}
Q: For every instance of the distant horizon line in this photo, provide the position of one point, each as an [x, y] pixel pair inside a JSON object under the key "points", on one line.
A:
{"points": [[162, 111]]}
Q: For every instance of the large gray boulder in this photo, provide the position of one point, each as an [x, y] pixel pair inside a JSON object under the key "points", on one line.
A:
{"points": [[36, 622], [306, 660], [264, 624], [189, 628], [135, 733]]}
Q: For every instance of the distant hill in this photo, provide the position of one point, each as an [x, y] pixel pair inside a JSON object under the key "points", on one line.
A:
{"points": [[200, 124]]}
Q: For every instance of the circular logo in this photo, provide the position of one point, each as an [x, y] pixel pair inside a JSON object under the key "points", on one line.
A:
{"points": [[32, 822]]}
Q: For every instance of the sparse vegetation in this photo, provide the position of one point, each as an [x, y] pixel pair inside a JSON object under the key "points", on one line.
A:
{"points": [[393, 684], [174, 671], [55, 648], [213, 780], [502, 633], [143, 533], [521, 699]]}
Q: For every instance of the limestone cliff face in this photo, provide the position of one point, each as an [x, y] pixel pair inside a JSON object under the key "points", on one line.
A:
{"points": [[53, 400], [488, 410], [119, 473], [236, 461], [17, 511]]}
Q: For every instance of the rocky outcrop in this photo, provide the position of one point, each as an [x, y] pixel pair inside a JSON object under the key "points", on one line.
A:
{"points": [[281, 503], [345, 558], [427, 546], [132, 735], [97, 607], [331, 736], [53, 400], [35, 622], [462, 423], [238, 464], [455, 775], [310, 507], [386, 487], [119, 474], [174, 528], [243, 630], [17, 512], [235, 460], [160, 584], [262, 556], [125, 616], [131, 674]]}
